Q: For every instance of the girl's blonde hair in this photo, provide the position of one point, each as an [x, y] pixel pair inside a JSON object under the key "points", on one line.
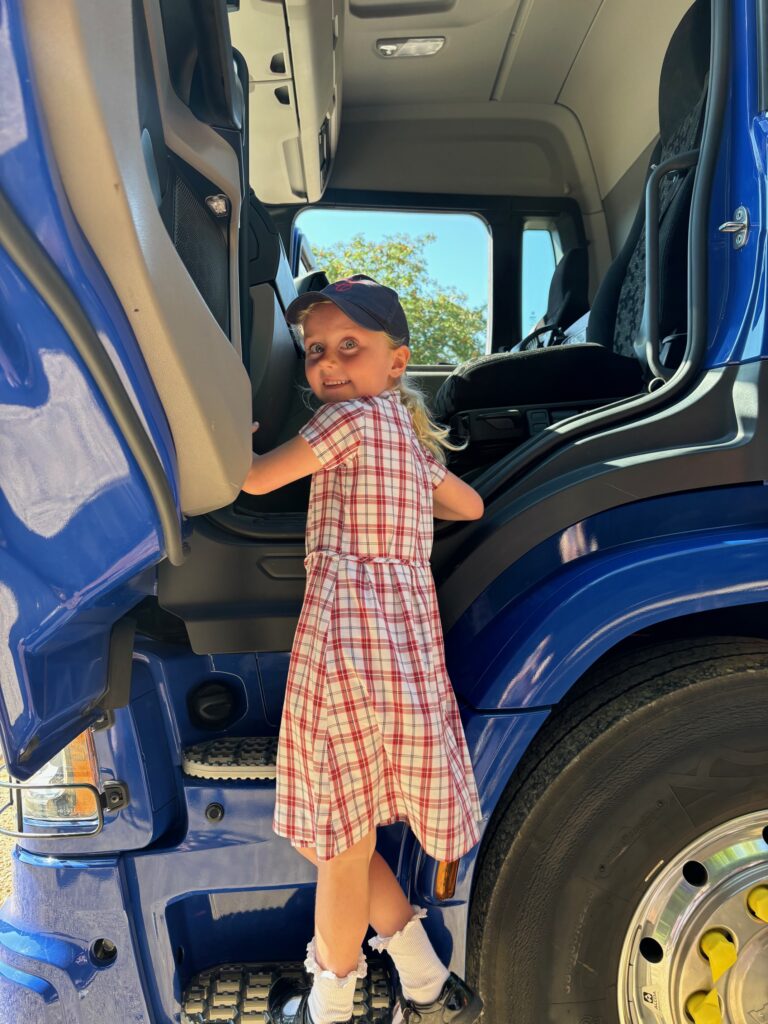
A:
{"points": [[431, 435]]}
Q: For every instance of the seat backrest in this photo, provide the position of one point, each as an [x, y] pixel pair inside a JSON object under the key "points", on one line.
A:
{"points": [[568, 291], [314, 281], [567, 302], [617, 311]]}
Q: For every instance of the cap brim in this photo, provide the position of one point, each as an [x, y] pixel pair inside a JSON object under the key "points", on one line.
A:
{"points": [[350, 309]]}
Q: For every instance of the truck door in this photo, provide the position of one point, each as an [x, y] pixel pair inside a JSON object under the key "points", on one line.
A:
{"points": [[124, 405]]}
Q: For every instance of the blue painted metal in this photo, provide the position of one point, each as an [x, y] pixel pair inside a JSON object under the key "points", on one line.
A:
{"points": [[548, 617], [174, 891], [230, 881], [25, 981], [76, 518], [737, 278], [47, 930], [232, 889], [496, 744], [136, 751]]}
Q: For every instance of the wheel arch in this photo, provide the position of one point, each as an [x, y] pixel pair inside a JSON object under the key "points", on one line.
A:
{"points": [[597, 586]]}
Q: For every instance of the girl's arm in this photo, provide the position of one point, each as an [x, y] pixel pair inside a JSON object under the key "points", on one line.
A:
{"points": [[453, 499], [288, 462]]}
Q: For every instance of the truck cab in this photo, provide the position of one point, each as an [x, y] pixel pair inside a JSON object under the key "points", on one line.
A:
{"points": [[570, 197]]}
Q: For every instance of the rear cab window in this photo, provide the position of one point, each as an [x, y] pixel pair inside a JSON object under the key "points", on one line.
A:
{"points": [[440, 264], [541, 253]]}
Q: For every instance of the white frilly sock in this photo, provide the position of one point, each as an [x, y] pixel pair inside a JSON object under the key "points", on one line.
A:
{"points": [[331, 997], [422, 973]]}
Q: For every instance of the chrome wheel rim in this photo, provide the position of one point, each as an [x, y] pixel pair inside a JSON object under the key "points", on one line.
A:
{"points": [[706, 888]]}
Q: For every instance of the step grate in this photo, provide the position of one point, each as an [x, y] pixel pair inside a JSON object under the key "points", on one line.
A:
{"points": [[237, 993], [250, 757]]}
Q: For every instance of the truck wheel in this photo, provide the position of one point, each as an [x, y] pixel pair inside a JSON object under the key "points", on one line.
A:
{"points": [[637, 826]]}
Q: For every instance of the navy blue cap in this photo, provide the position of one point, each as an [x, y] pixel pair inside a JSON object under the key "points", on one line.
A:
{"points": [[364, 300]]}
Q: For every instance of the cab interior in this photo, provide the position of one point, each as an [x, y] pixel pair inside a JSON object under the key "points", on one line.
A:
{"points": [[189, 155], [535, 117]]}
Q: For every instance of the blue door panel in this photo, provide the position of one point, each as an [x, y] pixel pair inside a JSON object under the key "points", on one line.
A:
{"points": [[78, 525], [737, 277]]}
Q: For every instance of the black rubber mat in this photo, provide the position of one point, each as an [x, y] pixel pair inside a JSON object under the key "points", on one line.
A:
{"points": [[234, 757], [237, 993]]}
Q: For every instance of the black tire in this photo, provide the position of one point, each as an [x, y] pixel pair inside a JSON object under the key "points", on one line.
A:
{"points": [[660, 749]]}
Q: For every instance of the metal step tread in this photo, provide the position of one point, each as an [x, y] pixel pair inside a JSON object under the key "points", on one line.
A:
{"points": [[233, 757], [237, 993]]}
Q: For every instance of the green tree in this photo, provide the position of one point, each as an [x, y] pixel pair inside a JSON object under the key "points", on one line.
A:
{"points": [[444, 327]]}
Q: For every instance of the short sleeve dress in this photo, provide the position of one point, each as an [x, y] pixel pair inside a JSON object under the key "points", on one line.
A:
{"points": [[370, 731]]}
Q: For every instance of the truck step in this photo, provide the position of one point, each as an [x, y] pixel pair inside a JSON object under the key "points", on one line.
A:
{"points": [[235, 757], [237, 993]]}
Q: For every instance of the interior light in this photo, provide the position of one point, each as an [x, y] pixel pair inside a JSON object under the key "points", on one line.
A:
{"points": [[425, 46]]}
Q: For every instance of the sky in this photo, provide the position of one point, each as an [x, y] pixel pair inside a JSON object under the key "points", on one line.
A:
{"points": [[461, 256]]}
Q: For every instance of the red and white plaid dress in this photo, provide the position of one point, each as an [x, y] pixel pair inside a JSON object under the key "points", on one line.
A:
{"points": [[370, 731]]}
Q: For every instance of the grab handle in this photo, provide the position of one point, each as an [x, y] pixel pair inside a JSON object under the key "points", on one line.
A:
{"points": [[651, 311]]}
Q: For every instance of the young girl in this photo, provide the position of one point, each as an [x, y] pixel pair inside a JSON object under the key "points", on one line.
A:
{"points": [[370, 732]]}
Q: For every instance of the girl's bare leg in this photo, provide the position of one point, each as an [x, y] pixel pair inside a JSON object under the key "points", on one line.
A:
{"points": [[422, 974], [342, 906], [389, 908]]}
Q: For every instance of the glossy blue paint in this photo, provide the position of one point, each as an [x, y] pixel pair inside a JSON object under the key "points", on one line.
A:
{"points": [[136, 751], [57, 910], [67, 956], [222, 888], [184, 889], [737, 278], [77, 521], [227, 881], [496, 744], [22, 981], [548, 617]]}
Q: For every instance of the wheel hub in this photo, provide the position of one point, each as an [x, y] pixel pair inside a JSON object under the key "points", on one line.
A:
{"points": [[697, 947]]}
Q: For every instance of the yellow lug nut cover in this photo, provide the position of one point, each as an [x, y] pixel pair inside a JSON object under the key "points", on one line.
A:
{"points": [[704, 1008], [720, 950], [758, 902]]}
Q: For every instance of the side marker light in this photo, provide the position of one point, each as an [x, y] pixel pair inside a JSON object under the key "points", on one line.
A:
{"points": [[445, 882]]}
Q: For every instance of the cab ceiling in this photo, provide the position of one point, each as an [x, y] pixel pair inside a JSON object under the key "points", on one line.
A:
{"points": [[598, 61]]}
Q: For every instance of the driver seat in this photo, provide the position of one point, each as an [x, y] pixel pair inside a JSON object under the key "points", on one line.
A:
{"points": [[497, 401]]}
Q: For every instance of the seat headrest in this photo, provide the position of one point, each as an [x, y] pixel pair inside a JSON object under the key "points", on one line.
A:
{"points": [[314, 281], [685, 68]]}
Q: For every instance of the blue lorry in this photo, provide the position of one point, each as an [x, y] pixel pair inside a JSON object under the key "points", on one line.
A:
{"points": [[604, 621]]}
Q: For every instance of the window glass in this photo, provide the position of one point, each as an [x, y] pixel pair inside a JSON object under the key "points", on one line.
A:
{"points": [[439, 263], [539, 261]]}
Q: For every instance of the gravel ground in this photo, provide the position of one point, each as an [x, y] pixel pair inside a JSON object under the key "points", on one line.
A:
{"points": [[7, 820]]}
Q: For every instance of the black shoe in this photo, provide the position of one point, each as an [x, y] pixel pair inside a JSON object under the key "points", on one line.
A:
{"points": [[456, 1004], [287, 1002]]}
